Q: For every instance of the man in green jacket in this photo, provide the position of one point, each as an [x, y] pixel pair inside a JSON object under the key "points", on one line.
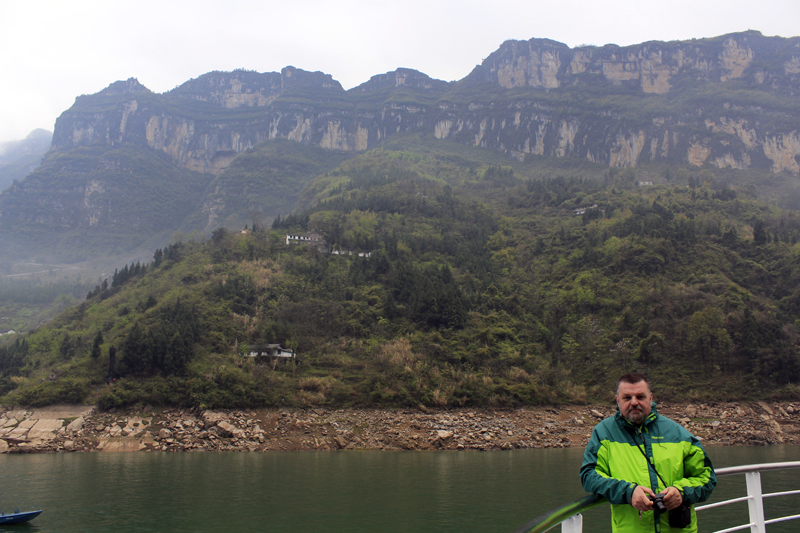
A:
{"points": [[637, 454]]}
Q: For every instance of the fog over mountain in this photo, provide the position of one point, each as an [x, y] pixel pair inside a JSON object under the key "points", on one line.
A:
{"points": [[36, 143], [20, 158]]}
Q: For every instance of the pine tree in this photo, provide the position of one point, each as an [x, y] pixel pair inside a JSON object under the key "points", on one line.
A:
{"points": [[98, 340], [759, 233]]}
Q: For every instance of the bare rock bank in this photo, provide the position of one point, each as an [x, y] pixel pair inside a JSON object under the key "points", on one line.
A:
{"points": [[80, 428]]}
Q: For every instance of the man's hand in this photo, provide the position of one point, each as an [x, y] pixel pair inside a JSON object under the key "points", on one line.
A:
{"points": [[672, 498], [640, 500]]}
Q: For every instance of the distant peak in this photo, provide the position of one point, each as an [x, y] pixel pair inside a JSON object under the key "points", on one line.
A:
{"points": [[293, 77], [539, 41], [39, 133], [129, 86], [406, 77]]}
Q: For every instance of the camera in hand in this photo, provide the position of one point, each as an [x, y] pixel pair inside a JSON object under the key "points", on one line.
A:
{"points": [[678, 518], [658, 502]]}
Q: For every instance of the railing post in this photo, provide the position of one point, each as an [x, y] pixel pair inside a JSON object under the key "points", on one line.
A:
{"points": [[573, 524], [755, 503]]}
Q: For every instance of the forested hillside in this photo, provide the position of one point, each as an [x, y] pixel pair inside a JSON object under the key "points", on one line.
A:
{"points": [[444, 281]]}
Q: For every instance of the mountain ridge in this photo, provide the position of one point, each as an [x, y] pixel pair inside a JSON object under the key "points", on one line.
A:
{"points": [[313, 108], [724, 103]]}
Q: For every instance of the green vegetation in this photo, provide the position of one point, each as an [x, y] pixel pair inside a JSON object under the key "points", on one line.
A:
{"points": [[266, 181], [454, 282], [31, 301]]}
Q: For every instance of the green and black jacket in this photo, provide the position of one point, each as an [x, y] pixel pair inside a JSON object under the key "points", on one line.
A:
{"points": [[613, 465]]}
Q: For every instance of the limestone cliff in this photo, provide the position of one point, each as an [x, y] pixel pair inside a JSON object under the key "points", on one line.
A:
{"points": [[729, 101], [203, 124], [129, 167], [652, 67]]}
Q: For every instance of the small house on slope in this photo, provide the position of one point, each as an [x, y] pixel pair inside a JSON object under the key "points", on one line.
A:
{"points": [[310, 239], [272, 350]]}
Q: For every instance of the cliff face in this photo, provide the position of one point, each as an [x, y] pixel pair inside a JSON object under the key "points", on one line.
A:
{"points": [[128, 167], [726, 102], [649, 67], [203, 124], [725, 140]]}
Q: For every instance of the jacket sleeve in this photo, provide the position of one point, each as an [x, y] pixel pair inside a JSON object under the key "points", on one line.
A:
{"points": [[699, 479], [595, 474]]}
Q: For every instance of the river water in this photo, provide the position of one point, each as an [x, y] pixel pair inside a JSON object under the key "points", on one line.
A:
{"points": [[353, 491]]}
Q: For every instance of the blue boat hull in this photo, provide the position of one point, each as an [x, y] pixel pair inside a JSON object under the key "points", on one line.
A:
{"points": [[18, 518]]}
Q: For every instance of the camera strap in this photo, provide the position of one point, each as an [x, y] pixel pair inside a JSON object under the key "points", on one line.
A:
{"points": [[680, 517], [647, 460]]}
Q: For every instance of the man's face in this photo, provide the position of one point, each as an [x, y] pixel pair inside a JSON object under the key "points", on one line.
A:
{"points": [[634, 401]]}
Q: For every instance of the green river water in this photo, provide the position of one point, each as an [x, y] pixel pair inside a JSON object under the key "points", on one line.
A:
{"points": [[334, 491]]}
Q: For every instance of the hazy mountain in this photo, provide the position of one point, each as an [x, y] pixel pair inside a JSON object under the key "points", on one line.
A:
{"points": [[20, 158], [725, 103]]}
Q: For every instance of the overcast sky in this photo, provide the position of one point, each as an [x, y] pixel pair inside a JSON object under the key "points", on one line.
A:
{"points": [[54, 50]]}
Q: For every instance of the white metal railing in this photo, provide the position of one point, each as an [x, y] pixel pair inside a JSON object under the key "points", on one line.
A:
{"points": [[754, 498], [572, 521]]}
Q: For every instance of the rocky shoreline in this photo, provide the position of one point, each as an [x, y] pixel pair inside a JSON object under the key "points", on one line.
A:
{"points": [[69, 428]]}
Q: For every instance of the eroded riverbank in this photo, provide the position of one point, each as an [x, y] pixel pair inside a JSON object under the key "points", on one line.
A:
{"points": [[81, 428]]}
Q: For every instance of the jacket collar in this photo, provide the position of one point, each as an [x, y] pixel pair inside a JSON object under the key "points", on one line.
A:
{"points": [[623, 422]]}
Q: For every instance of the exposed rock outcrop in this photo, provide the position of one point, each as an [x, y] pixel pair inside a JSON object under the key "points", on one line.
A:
{"points": [[724, 102], [649, 67], [611, 105], [323, 429]]}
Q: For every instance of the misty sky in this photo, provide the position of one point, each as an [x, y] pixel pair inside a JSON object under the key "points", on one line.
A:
{"points": [[54, 50]]}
